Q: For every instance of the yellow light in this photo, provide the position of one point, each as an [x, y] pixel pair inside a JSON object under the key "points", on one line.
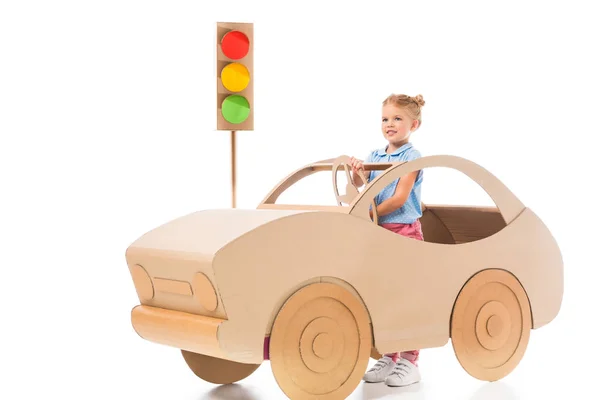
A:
{"points": [[235, 77]]}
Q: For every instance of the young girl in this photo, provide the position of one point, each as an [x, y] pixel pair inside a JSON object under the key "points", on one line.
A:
{"points": [[399, 210]]}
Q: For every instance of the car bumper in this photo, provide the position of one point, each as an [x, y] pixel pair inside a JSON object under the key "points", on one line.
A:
{"points": [[195, 333]]}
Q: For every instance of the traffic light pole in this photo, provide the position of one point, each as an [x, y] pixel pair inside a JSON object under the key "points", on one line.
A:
{"points": [[235, 85], [233, 167]]}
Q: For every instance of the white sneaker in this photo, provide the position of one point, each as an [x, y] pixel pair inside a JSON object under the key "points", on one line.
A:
{"points": [[405, 373], [380, 370]]}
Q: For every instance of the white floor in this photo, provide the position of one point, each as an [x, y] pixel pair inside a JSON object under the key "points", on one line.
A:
{"points": [[151, 372], [147, 371]]}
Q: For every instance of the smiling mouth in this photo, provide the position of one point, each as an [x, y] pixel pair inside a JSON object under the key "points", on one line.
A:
{"points": [[390, 132]]}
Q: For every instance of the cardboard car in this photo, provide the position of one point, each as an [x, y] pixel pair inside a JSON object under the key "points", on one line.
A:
{"points": [[309, 287]]}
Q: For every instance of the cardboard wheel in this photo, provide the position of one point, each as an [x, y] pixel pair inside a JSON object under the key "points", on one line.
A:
{"points": [[217, 370], [491, 324], [375, 355], [320, 343]]}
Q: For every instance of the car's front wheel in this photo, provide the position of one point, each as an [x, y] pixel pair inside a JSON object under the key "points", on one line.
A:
{"points": [[320, 343], [375, 354], [491, 323], [217, 370]]}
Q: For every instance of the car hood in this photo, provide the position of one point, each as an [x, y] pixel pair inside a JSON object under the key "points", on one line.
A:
{"points": [[200, 235]]}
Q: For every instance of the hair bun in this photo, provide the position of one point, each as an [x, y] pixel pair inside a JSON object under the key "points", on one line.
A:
{"points": [[419, 100]]}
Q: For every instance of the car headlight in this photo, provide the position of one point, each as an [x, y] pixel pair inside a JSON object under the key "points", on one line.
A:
{"points": [[142, 282], [204, 291]]}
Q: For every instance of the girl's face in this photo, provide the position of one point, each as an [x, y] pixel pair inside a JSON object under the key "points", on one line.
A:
{"points": [[396, 125]]}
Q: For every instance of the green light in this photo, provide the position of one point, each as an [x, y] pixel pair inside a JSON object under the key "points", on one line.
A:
{"points": [[235, 109]]}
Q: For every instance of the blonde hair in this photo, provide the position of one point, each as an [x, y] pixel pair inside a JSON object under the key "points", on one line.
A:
{"points": [[411, 104]]}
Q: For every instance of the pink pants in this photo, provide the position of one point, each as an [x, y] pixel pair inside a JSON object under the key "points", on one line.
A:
{"points": [[413, 231]]}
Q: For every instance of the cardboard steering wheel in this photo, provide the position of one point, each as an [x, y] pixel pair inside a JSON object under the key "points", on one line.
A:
{"points": [[351, 190]]}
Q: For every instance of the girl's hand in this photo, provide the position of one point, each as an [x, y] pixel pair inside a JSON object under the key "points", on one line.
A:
{"points": [[357, 178], [357, 165]]}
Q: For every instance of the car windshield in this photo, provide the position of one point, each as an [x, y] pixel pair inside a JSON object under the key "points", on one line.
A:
{"points": [[314, 189], [313, 185]]}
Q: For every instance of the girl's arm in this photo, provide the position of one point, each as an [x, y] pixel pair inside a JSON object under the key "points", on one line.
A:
{"points": [[400, 195]]}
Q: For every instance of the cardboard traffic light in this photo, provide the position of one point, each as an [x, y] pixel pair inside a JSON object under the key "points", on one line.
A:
{"points": [[235, 76]]}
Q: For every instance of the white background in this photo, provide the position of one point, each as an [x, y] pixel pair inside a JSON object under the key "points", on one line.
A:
{"points": [[107, 120]]}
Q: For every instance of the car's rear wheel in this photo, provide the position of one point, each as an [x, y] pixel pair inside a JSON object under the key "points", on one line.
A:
{"points": [[491, 324], [320, 343], [217, 370]]}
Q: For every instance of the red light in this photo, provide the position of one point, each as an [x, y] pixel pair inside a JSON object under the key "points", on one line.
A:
{"points": [[235, 45]]}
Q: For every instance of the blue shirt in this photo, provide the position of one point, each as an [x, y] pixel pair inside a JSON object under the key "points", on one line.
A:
{"points": [[411, 210]]}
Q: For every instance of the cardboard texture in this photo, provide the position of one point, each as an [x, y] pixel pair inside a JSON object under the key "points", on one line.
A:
{"points": [[246, 62], [294, 279], [351, 190], [217, 370]]}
